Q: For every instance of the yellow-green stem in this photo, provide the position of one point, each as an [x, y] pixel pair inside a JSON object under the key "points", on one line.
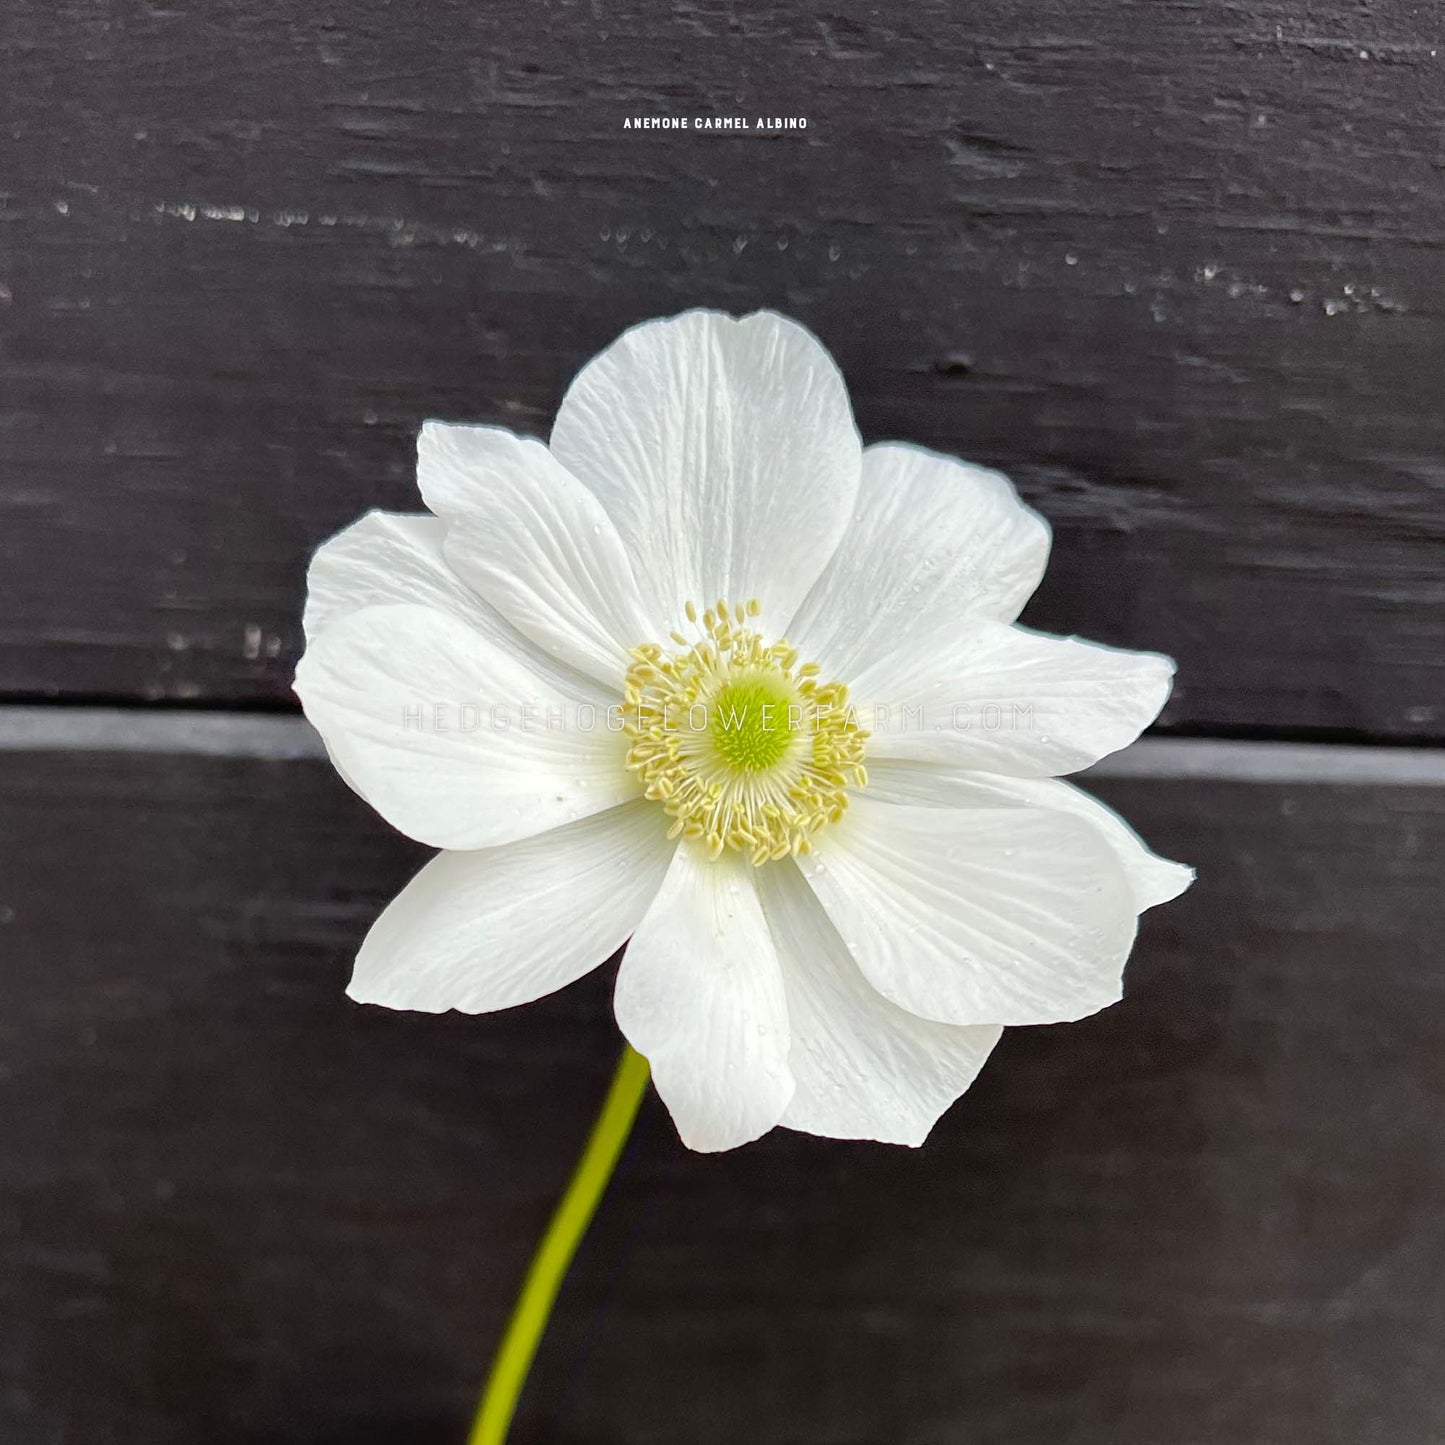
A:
{"points": [[549, 1265]]}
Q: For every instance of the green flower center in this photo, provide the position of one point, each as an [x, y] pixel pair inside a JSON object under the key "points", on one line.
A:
{"points": [[750, 724], [745, 750]]}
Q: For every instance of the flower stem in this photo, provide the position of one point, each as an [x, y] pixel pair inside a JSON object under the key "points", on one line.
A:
{"points": [[549, 1265]]}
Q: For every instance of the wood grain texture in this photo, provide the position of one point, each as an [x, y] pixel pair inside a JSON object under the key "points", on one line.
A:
{"points": [[234, 1207], [1176, 266]]}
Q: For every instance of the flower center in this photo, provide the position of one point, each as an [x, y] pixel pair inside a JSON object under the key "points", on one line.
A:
{"points": [[743, 748], [748, 726]]}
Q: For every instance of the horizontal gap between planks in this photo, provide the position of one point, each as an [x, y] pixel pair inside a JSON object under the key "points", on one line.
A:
{"points": [[25, 729]]}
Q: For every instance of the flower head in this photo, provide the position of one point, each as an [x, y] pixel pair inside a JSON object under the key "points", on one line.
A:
{"points": [[706, 674]]}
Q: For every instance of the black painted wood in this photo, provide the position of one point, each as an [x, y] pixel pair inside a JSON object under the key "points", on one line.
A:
{"points": [[1176, 265], [235, 1207]]}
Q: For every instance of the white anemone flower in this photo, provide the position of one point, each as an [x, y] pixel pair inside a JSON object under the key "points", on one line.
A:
{"points": [[706, 674]]}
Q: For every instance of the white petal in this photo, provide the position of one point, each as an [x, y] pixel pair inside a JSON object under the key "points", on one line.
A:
{"points": [[865, 1068], [999, 699], [532, 540], [1153, 879], [384, 559], [725, 452], [376, 684], [502, 926], [980, 916], [932, 540], [699, 994], [389, 559]]}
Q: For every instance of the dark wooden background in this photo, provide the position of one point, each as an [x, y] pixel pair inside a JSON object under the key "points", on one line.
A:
{"points": [[1177, 265]]}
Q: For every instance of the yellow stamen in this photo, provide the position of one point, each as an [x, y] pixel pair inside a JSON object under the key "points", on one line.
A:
{"points": [[745, 750]]}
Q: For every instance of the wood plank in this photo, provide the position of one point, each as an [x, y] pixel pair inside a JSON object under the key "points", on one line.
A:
{"points": [[236, 1207], [276, 737], [1177, 266]]}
